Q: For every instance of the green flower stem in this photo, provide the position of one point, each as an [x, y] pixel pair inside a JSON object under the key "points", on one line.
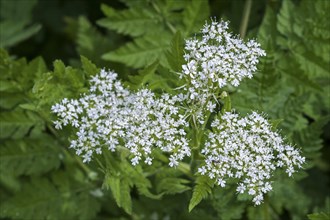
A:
{"points": [[266, 208], [245, 18], [195, 150], [198, 134]]}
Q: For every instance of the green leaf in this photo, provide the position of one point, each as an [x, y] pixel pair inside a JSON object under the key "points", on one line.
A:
{"points": [[284, 188], [226, 204], [311, 65], [15, 24], [145, 76], [29, 156], [36, 67], [37, 200], [133, 21], [79, 196], [28, 106], [64, 197], [319, 216], [156, 78], [194, 16], [16, 124], [284, 17], [138, 178], [87, 206], [275, 123], [173, 185], [90, 42], [17, 76], [152, 24], [175, 54], [9, 86], [114, 184], [120, 188], [9, 181], [267, 29], [89, 68], [309, 138], [125, 196], [16, 33], [64, 81], [141, 52], [201, 190]]}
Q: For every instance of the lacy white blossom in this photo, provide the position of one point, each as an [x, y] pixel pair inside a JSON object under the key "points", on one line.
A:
{"points": [[216, 60], [111, 116], [248, 150]]}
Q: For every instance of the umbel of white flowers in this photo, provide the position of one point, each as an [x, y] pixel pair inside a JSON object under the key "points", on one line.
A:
{"points": [[216, 60], [110, 117], [246, 149]]}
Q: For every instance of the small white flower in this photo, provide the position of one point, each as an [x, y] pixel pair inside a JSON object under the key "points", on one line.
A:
{"points": [[148, 161], [58, 124], [241, 188], [173, 161], [258, 199], [135, 160], [221, 182], [252, 192]]}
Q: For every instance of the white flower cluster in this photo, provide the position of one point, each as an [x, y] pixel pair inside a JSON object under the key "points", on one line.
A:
{"points": [[217, 60], [111, 116], [247, 149]]}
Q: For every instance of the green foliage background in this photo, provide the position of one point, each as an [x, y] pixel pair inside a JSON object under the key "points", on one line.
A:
{"points": [[51, 48]]}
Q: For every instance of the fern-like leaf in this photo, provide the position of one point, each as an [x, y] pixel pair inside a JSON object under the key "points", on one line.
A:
{"points": [[175, 54], [16, 124], [145, 77], [37, 200], [89, 41], [120, 188], [133, 21], [143, 51], [173, 185], [201, 190], [195, 15], [309, 138], [15, 24], [29, 156], [319, 216]]}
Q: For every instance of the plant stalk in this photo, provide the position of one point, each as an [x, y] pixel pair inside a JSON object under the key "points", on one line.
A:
{"points": [[245, 18]]}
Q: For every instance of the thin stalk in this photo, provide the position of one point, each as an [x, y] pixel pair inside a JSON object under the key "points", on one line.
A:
{"points": [[266, 208], [245, 18], [197, 139]]}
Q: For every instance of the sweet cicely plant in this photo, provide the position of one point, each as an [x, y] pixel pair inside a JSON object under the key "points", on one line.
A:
{"points": [[195, 123]]}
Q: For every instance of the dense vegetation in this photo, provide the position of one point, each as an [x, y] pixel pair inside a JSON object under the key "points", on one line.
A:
{"points": [[50, 50]]}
